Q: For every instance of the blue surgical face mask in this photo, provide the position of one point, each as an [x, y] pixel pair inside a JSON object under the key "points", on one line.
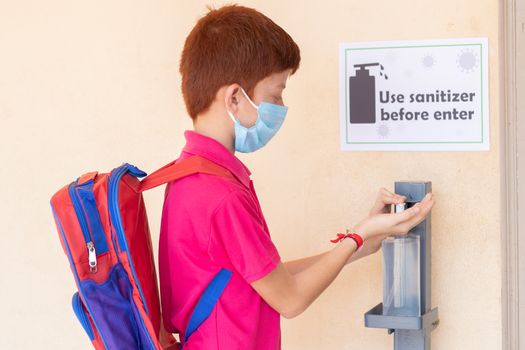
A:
{"points": [[270, 117]]}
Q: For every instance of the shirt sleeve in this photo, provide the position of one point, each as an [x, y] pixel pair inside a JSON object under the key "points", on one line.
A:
{"points": [[238, 235]]}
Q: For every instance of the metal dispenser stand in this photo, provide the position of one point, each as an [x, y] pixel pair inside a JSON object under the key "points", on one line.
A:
{"points": [[412, 332]]}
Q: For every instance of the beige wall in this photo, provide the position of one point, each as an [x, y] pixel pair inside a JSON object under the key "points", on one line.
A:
{"points": [[87, 85]]}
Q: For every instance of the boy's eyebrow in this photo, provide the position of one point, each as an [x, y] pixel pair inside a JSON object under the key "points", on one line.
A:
{"points": [[281, 86]]}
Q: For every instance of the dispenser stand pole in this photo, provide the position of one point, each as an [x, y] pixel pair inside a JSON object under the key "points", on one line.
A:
{"points": [[405, 339]]}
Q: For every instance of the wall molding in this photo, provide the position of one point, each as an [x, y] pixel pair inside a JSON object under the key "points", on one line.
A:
{"points": [[509, 177]]}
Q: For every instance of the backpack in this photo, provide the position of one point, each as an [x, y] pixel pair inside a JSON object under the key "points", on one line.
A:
{"points": [[103, 229]]}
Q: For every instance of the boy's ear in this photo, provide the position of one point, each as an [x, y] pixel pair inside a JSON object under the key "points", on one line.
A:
{"points": [[234, 98], [231, 97]]}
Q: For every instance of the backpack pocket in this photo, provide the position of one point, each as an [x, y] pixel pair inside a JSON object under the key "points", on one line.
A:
{"points": [[80, 312], [116, 316]]}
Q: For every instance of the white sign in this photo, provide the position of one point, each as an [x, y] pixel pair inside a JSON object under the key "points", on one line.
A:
{"points": [[426, 95]]}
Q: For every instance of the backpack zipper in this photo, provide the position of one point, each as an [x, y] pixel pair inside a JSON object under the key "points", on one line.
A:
{"points": [[92, 254], [92, 257]]}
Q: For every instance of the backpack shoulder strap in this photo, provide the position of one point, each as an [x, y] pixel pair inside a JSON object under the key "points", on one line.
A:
{"points": [[180, 168], [175, 170]]}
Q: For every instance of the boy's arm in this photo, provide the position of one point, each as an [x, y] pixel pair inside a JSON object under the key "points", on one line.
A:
{"points": [[290, 294], [298, 265], [369, 247]]}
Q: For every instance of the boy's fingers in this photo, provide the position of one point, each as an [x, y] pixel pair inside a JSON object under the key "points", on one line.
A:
{"points": [[418, 210], [384, 190], [427, 197], [408, 213], [424, 208], [390, 198]]}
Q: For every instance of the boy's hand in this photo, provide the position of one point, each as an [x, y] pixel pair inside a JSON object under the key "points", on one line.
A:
{"points": [[382, 205], [396, 223], [384, 200], [380, 223]]}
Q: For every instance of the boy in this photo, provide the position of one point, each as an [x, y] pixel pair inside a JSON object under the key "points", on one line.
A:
{"points": [[234, 67]]}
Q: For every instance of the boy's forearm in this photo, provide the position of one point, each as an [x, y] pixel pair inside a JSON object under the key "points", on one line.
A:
{"points": [[322, 270], [355, 256], [298, 265]]}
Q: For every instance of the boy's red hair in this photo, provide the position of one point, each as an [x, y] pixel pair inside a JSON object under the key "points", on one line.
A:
{"points": [[232, 44]]}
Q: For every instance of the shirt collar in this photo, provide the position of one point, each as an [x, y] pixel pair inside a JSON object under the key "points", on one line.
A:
{"points": [[199, 144]]}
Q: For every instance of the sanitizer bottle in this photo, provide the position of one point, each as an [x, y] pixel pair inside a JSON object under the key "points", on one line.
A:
{"points": [[401, 274]]}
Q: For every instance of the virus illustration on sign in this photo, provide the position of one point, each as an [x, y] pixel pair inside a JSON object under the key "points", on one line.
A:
{"points": [[428, 61], [383, 131], [467, 61]]}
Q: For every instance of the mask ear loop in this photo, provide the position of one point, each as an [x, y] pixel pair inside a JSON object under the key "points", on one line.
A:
{"points": [[230, 114], [249, 99]]}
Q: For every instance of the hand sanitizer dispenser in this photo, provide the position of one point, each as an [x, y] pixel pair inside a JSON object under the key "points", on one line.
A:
{"points": [[401, 284], [406, 308]]}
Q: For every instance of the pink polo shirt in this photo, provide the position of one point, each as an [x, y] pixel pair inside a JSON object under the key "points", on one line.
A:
{"points": [[208, 223]]}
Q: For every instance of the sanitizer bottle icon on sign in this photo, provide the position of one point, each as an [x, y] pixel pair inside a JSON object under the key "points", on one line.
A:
{"points": [[363, 94]]}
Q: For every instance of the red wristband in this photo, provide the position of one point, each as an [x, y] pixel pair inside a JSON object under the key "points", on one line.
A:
{"points": [[356, 237]]}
